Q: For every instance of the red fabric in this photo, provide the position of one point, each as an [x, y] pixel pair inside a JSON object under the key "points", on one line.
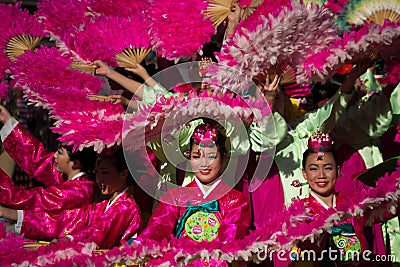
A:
{"points": [[30, 154], [91, 223], [351, 163], [268, 198], [68, 195], [234, 215], [33, 158]]}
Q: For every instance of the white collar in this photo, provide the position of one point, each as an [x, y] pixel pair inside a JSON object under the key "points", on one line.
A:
{"points": [[76, 176], [323, 204], [202, 186], [109, 204]]}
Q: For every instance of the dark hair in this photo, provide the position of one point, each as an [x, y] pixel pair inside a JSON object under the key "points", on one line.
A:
{"points": [[308, 152], [118, 159], [86, 157]]}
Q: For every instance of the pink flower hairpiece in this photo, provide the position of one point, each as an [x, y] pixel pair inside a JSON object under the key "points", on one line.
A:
{"points": [[320, 142], [205, 135]]}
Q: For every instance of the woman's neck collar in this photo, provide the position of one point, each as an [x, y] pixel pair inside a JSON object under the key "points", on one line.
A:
{"points": [[117, 193], [327, 202], [74, 174], [206, 189]]}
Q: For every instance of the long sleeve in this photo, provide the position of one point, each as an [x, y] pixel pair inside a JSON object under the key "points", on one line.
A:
{"points": [[41, 225], [150, 94], [108, 229], [68, 195], [162, 222], [360, 124], [229, 223], [268, 135], [395, 104], [236, 217], [368, 79], [33, 158], [92, 223], [325, 117]]}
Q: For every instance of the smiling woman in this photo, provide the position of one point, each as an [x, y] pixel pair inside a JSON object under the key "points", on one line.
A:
{"points": [[320, 167], [321, 170], [206, 209], [207, 152], [112, 174], [321, 175]]}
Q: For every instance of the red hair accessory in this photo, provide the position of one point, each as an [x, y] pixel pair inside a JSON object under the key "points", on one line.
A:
{"points": [[345, 69], [320, 142], [205, 135]]}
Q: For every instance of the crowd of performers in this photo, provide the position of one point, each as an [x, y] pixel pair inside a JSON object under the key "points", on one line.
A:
{"points": [[317, 169]]}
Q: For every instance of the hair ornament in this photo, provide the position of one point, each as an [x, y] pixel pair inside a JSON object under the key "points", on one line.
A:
{"points": [[205, 135], [320, 142]]}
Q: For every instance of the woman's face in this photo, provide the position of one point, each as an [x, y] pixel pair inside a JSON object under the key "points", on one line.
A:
{"points": [[206, 163], [108, 178], [321, 174]]}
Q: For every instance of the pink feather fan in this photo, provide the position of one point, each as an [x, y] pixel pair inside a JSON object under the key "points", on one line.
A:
{"points": [[181, 108], [130, 39], [19, 31], [110, 33], [63, 91], [179, 28], [369, 39], [91, 42], [120, 8], [61, 16], [273, 42]]}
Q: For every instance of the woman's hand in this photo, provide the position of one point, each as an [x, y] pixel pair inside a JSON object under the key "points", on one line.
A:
{"points": [[102, 68], [140, 71], [269, 89], [119, 99], [4, 114], [8, 213], [234, 16], [358, 69], [233, 19]]}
